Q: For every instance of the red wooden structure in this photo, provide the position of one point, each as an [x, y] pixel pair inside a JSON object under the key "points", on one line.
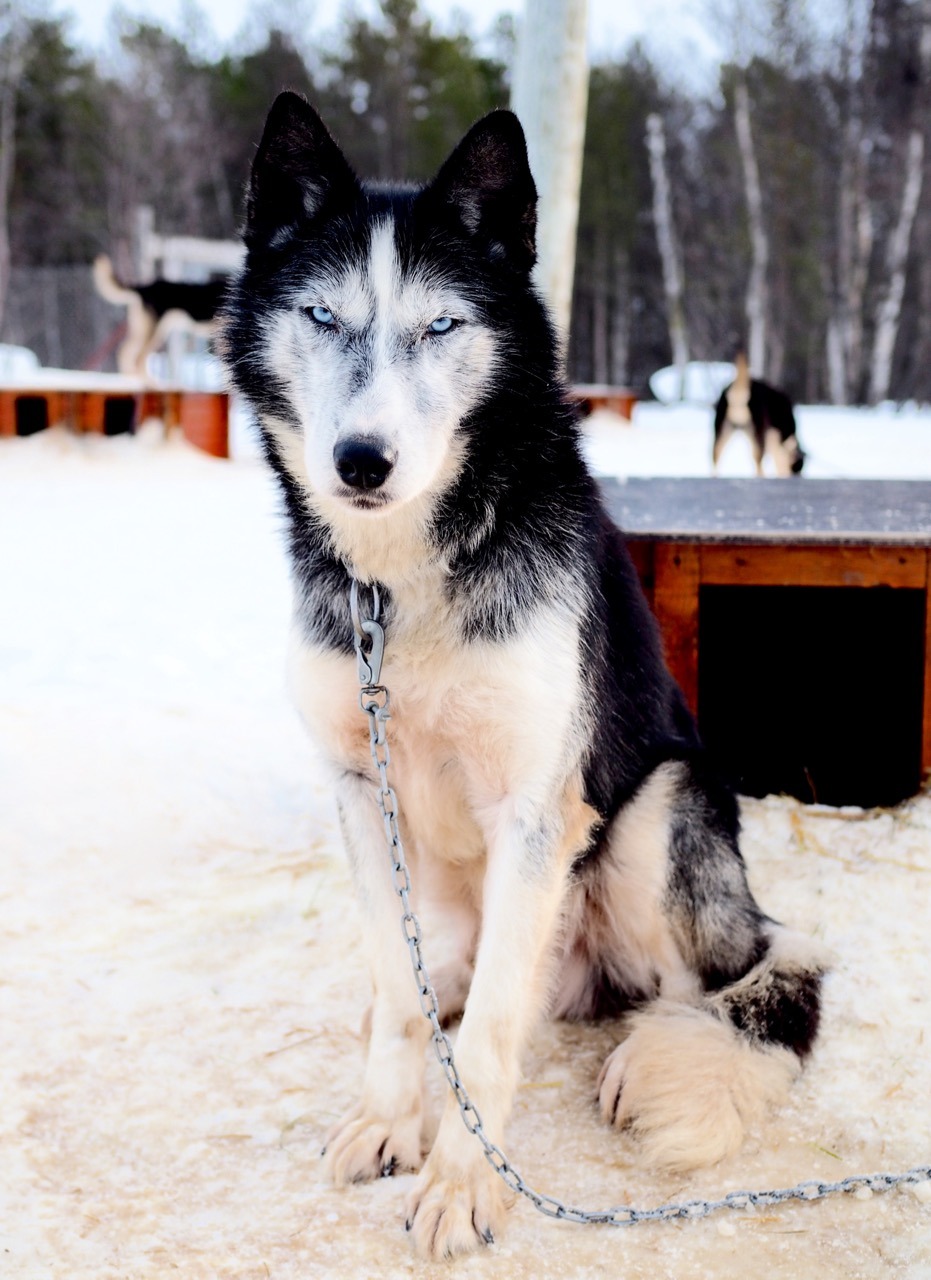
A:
{"points": [[112, 406]]}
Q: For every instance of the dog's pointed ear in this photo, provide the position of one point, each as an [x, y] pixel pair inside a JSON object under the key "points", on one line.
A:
{"points": [[298, 174], [487, 190]]}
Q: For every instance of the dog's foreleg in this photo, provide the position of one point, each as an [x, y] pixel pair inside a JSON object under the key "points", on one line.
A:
{"points": [[140, 324], [776, 448], [459, 1202], [757, 447], [383, 1132], [723, 433]]}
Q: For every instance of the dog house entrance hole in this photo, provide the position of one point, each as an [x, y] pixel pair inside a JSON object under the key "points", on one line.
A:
{"points": [[814, 691], [31, 415], [119, 415]]}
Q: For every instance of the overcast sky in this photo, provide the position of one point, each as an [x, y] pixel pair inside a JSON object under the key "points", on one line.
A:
{"points": [[675, 30]]}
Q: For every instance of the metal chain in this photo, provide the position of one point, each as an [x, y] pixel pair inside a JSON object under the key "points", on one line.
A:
{"points": [[375, 701]]}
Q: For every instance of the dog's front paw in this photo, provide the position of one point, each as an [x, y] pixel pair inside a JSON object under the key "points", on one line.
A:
{"points": [[364, 1146], [451, 1213]]}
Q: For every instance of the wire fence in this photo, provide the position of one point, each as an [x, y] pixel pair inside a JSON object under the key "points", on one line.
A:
{"points": [[56, 312]]}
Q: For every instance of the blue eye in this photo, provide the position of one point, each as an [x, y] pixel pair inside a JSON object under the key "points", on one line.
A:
{"points": [[320, 314], [442, 325]]}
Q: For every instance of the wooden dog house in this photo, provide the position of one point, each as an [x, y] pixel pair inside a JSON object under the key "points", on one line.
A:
{"points": [[795, 615], [107, 404]]}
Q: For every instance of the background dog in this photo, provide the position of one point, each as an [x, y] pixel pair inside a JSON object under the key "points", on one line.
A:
{"points": [[570, 845], [766, 414], [156, 310]]}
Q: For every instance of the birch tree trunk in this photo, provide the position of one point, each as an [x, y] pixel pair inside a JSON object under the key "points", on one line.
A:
{"points": [[837, 368], [889, 309], [854, 231], [863, 249], [836, 346], [890, 306], [550, 95], [757, 307], [665, 235], [620, 321], [843, 353], [600, 286], [12, 60]]}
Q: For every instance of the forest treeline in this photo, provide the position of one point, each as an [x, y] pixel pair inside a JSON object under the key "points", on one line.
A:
{"points": [[826, 275]]}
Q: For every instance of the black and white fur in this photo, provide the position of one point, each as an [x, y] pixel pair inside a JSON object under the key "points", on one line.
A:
{"points": [[156, 310], [571, 848], [765, 413]]}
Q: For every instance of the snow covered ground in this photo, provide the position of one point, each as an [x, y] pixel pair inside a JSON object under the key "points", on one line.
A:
{"points": [[675, 440], [180, 980]]}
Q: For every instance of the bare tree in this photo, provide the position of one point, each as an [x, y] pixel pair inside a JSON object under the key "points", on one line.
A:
{"points": [[890, 305], [601, 288], [889, 310], [619, 370], [665, 235], [13, 39], [854, 224], [757, 306]]}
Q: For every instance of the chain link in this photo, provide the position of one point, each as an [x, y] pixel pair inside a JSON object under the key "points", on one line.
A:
{"points": [[375, 701]]}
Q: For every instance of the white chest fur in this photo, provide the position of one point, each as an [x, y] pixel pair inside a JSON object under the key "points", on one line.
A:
{"points": [[474, 726]]}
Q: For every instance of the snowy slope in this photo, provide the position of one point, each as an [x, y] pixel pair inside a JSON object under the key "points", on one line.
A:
{"points": [[180, 980]]}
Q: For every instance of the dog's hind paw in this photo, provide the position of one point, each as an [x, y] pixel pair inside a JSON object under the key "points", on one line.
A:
{"points": [[449, 1215], [363, 1146], [688, 1085]]}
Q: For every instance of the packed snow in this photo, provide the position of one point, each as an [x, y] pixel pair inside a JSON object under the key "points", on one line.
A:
{"points": [[182, 983], [888, 443]]}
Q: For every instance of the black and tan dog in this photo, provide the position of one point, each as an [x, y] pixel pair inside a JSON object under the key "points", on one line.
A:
{"points": [[765, 413], [156, 310], [571, 847]]}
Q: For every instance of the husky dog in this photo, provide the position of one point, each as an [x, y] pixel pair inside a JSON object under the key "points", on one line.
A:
{"points": [[766, 414], [570, 847], [156, 310]]}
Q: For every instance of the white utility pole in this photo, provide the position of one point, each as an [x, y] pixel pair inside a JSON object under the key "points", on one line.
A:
{"points": [[550, 95]]}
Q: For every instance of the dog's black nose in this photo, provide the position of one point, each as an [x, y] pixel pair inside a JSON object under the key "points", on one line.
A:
{"points": [[361, 463]]}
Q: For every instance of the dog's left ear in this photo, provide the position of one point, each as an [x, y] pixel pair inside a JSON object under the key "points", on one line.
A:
{"points": [[298, 175], [487, 190]]}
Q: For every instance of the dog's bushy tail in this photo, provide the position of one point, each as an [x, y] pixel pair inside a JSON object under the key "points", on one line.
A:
{"points": [[778, 1002], [107, 285]]}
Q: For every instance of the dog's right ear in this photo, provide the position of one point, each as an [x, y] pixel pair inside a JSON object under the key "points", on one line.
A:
{"points": [[487, 190], [298, 174]]}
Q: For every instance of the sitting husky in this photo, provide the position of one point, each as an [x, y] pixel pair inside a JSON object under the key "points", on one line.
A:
{"points": [[570, 846]]}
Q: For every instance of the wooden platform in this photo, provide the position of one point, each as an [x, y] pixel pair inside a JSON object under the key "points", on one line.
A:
{"points": [[111, 405], [595, 395], [686, 535]]}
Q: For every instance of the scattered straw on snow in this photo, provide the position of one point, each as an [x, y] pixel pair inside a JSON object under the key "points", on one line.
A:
{"points": [[181, 984]]}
